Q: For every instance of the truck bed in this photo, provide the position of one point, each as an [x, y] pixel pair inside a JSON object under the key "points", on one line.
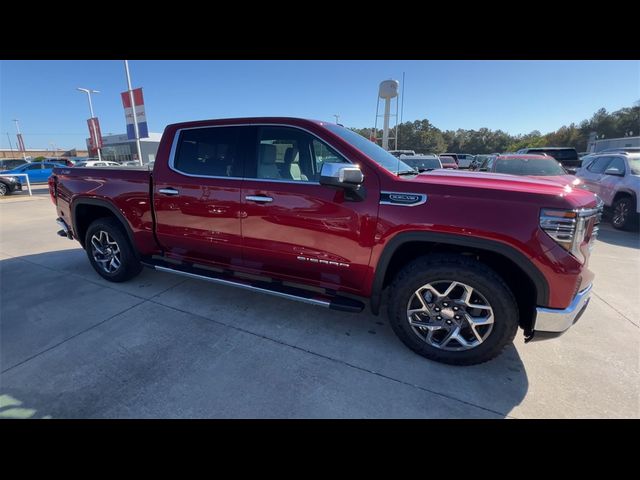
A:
{"points": [[124, 191]]}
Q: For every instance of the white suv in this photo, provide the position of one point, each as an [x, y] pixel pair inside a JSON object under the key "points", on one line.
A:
{"points": [[615, 178], [97, 163]]}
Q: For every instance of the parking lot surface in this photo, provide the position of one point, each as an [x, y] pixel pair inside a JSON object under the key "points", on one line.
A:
{"points": [[73, 345]]}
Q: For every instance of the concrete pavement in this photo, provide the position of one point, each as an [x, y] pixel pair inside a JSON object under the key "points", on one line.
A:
{"points": [[76, 346]]}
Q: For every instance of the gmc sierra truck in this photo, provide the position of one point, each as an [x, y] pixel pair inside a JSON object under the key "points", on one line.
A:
{"points": [[311, 211]]}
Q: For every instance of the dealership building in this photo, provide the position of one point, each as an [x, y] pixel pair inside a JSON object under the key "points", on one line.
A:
{"points": [[118, 148]]}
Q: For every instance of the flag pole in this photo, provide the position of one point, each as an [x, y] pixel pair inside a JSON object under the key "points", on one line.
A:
{"points": [[133, 108]]}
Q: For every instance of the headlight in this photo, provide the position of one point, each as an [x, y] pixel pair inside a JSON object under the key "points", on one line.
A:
{"points": [[11, 179], [571, 228]]}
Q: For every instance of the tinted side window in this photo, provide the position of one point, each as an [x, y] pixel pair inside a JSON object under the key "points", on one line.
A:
{"points": [[599, 165], [209, 151], [34, 166], [618, 164]]}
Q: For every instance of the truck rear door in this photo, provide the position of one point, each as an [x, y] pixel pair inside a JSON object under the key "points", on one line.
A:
{"points": [[197, 196]]}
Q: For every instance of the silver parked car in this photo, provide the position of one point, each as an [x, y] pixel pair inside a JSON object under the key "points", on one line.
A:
{"points": [[615, 178]]}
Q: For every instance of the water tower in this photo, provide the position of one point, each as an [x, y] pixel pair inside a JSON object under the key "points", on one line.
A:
{"points": [[388, 91]]}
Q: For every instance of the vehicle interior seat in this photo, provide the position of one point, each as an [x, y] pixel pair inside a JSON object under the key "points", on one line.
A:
{"points": [[214, 159], [267, 167], [291, 168]]}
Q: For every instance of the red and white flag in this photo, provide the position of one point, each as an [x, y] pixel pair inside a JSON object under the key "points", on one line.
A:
{"points": [[141, 116], [95, 136]]}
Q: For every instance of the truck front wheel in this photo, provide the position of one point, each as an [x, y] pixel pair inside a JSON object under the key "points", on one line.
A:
{"points": [[452, 309], [110, 252]]}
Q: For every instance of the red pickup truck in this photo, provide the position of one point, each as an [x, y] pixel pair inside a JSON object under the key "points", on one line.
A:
{"points": [[311, 211]]}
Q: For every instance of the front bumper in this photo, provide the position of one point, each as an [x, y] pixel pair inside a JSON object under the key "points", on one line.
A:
{"points": [[553, 322]]}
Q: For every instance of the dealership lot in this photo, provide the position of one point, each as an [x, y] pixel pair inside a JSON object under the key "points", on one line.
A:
{"points": [[74, 345]]}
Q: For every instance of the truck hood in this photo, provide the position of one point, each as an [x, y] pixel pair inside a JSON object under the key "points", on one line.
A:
{"points": [[560, 186]]}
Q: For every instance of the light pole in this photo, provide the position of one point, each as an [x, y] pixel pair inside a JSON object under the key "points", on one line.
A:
{"points": [[93, 125], [10, 145], [133, 110], [24, 155]]}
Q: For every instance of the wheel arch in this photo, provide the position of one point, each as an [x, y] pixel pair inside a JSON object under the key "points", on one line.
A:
{"points": [[625, 193], [86, 210], [508, 257]]}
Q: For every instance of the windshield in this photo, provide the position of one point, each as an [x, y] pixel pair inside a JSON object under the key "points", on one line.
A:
{"points": [[445, 159], [529, 166], [428, 163], [370, 149], [634, 164]]}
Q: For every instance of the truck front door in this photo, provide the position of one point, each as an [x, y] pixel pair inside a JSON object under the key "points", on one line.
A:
{"points": [[294, 227]]}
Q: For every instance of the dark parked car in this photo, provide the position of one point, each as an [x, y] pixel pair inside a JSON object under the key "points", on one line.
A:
{"points": [[9, 185], [9, 163], [567, 156]]}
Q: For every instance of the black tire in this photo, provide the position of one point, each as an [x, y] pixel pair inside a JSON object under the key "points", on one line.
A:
{"points": [[4, 190], [440, 267], [129, 266], [623, 214]]}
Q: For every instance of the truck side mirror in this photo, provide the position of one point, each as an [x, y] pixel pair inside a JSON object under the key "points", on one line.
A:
{"points": [[346, 176], [342, 175]]}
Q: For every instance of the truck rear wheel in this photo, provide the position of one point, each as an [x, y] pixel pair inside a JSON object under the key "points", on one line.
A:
{"points": [[452, 309], [110, 252]]}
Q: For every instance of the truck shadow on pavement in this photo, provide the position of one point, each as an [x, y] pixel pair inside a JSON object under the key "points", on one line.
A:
{"points": [[189, 348]]}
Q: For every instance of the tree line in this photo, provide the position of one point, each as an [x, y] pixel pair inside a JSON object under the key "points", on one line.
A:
{"points": [[423, 137]]}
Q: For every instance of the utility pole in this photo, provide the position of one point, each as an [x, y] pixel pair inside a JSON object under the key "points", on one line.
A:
{"points": [[24, 155], [93, 125], [133, 109]]}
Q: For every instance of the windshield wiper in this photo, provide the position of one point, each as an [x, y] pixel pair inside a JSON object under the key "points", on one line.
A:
{"points": [[407, 172]]}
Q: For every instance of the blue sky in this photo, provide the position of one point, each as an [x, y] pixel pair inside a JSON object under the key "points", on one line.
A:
{"points": [[515, 96]]}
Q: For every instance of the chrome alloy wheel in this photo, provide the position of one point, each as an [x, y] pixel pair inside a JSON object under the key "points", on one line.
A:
{"points": [[105, 251], [620, 213], [450, 315]]}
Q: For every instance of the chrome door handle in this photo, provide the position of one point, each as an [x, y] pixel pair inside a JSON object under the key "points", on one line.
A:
{"points": [[169, 191], [258, 198]]}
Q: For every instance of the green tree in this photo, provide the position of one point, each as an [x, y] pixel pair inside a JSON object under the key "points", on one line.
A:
{"points": [[424, 137]]}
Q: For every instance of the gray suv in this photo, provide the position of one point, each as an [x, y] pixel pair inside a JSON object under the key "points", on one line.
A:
{"points": [[615, 178]]}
